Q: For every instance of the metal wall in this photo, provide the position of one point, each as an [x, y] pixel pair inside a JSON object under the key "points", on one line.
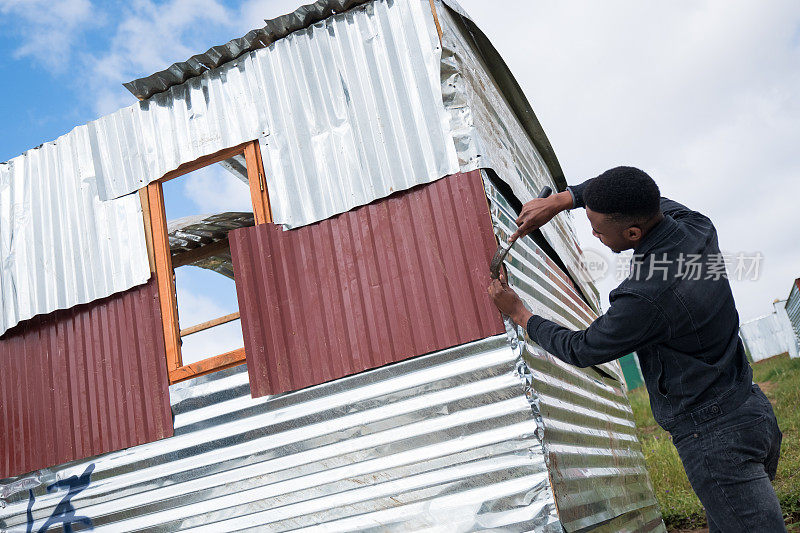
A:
{"points": [[398, 278], [451, 439], [769, 335], [83, 382], [793, 308], [443, 440], [595, 460], [60, 245], [489, 133], [347, 110]]}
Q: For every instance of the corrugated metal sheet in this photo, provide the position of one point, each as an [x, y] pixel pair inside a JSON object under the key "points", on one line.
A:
{"points": [[446, 440], [60, 245], [595, 460], [769, 335], [215, 56], [305, 16], [398, 278], [196, 231], [347, 111], [793, 308], [490, 132], [82, 382]]}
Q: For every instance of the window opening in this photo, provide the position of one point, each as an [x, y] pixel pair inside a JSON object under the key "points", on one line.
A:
{"points": [[192, 209]]}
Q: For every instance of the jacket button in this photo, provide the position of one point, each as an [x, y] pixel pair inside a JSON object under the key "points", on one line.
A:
{"points": [[714, 409]]}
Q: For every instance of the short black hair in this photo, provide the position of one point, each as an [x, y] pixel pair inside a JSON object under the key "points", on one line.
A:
{"points": [[625, 193]]}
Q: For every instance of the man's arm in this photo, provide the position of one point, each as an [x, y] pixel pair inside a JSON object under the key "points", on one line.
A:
{"points": [[632, 322]]}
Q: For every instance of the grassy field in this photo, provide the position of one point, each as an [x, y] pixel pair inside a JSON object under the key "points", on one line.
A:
{"points": [[779, 378]]}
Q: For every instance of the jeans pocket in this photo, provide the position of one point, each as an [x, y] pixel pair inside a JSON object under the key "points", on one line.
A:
{"points": [[746, 441]]}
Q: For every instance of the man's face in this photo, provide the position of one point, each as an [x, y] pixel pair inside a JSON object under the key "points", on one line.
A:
{"points": [[618, 236]]}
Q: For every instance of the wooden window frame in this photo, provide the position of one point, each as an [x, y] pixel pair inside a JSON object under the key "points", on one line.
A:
{"points": [[155, 221]]}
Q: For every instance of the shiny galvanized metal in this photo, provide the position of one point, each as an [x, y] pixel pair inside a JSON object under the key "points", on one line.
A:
{"points": [[494, 127], [792, 308], [60, 245], [769, 335], [216, 56], [347, 110], [594, 458], [398, 278], [83, 382], [443, 441]]}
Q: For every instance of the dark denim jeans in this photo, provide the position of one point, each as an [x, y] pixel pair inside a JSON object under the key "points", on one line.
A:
{"points": [[730, 461]]}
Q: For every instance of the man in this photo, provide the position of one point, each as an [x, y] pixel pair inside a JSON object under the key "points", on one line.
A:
{"points": [[676, 310]]}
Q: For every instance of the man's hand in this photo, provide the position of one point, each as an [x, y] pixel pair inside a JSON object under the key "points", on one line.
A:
{"points": [[539, 212], [507, 301]]}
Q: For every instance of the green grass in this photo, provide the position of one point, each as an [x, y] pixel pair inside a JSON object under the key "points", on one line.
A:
{"points": [[779, 378]]}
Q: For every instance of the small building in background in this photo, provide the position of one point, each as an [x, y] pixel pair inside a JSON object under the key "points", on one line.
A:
{"points": [[792, 308], [770, 335], [383, 148]]}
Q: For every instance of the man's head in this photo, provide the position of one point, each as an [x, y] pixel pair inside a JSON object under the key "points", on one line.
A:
{"points": [[622, 205]]}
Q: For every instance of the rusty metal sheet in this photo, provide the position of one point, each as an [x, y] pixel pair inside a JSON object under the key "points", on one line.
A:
{"points": [[398, 278], [83, 381]]}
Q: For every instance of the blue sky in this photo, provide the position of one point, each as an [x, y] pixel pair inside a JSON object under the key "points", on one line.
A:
{"points": [[702, 94]]}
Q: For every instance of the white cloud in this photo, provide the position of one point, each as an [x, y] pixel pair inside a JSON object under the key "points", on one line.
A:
{"points": [[702, 95], [214, 190], [47, 29], [216, 298]]}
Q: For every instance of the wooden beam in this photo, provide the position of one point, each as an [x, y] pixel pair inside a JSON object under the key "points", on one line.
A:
{"points": [[210, 324], [195, 254], [258, 183], [148, 228], [165, 275], [436, 21], [204, 161], [207, 366]]}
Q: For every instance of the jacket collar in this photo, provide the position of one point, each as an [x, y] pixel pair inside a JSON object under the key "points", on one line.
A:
{"points": [[656, 234]]}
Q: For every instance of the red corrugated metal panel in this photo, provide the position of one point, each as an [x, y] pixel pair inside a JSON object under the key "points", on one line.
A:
{"points": [[400, 277], [83, 381]]}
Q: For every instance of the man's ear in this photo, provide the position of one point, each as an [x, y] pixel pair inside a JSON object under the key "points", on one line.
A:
{"points": [[633, 233]]}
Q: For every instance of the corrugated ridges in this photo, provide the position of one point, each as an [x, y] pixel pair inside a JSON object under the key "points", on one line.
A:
{"points": [[793, 307], [443, 439], [394, 279], [84, 381], [595, 460], [60, 245], [215, 56]]}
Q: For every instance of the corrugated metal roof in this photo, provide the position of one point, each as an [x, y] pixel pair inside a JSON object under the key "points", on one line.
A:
{"points": [[215, 56], [347, 111], [447, 439], [60, 245], [398, 278], [83, 382], [596, 462], [196, 231]]}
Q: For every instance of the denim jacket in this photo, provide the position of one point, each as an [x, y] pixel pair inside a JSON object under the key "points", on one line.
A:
{"points": [[676, 310]]}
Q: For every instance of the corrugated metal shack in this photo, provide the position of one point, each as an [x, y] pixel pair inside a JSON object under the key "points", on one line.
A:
{"points": [[770, 335], [792, 308], [386, 147]]}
